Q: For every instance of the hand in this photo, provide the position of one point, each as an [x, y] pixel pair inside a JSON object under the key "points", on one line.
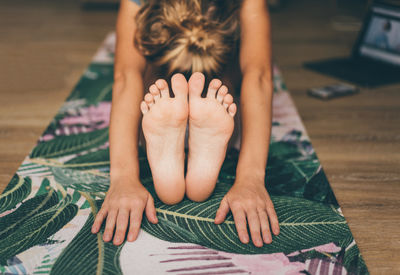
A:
{"points": [[124, 203], [249, 199]]}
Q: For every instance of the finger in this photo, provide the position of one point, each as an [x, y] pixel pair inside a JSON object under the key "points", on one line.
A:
{"points": [[151, 213], [254, 224], [134, 226], [273, 219], [101, 215], [122, 224], [266, 232], [222, 211], [240, 223], [110, 224]]}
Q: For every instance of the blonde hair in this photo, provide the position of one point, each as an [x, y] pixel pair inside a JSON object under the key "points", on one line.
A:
{"points": [[188, 35]]}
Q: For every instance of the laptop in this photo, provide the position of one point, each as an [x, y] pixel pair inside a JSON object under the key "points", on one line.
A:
{"points": [[375, 59]]}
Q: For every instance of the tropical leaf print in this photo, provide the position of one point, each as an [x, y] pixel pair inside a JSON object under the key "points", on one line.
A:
{"points": [[69, 145], [88, 253], [16, 266], [93, 160], [35, 220], [303, 224], [95, 85], [354, 262], [45, 266], [86, 181], [318, 189], [27, 210], [292, 170], [16, 191]]}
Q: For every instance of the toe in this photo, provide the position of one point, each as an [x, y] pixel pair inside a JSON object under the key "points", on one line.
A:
{"points": [[196, 84], [162, 85], [221, 93], [232, 109], [143, 107], [179, 85], [149, 99], [213, 88], [228, 100], [155, 92]]}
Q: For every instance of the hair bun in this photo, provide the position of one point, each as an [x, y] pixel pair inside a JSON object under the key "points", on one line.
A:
{"points": [[198, 38], [188, 35]]}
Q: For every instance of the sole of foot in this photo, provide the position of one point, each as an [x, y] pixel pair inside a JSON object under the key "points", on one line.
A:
{"points": [[210, 127], [164, 127]]}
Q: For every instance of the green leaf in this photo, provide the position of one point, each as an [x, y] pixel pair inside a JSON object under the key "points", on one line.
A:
{"points": [[303, 224], [69, 145], [92, 160], [37, 228], [16, 191], [94, 90], [353, 262], [99, 257], [293, 170], [318, 189], [25, 211], [44, 187], [45, 265], [284, 150], [81, 180]]}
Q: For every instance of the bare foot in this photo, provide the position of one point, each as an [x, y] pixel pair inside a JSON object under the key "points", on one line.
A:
{"points": [[164, 126], [210, 128]]}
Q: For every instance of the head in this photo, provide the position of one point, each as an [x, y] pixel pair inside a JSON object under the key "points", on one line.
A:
{"points": [[188, 35]]}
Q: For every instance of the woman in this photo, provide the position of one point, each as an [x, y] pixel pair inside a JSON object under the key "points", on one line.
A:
{"points": [[191, 37]]}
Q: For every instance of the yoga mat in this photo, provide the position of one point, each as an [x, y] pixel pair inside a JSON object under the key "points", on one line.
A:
{"points": [[47, 209]]}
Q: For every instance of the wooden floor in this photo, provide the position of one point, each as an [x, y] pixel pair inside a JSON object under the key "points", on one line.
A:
{"points": [[46, 45]]}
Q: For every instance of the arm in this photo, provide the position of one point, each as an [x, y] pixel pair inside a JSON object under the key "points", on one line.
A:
{"points": [[127, 94], [126, 198], [248, 197], [256, 90]]}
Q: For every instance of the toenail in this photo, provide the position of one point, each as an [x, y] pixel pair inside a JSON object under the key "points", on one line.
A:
{"points": [[153, 88], [216, 83], [160, 84]]}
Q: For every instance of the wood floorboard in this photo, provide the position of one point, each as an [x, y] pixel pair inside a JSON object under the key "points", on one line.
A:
{"points": [[46, 45]]}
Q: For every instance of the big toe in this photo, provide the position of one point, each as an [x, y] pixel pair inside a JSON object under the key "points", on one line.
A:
{"points": [[196, 84], [179, 85]]}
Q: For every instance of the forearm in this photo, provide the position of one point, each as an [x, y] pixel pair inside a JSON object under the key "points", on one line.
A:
{"points": [[124, 126], [128, 90], [256, 116]]}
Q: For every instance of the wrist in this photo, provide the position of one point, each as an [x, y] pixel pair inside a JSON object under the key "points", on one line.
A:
{"points": [[250, 170], [124, 175], [250, 177]]}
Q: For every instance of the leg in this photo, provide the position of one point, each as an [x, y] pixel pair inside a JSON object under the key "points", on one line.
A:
{"points": [[210, 128], [164, 126]]}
